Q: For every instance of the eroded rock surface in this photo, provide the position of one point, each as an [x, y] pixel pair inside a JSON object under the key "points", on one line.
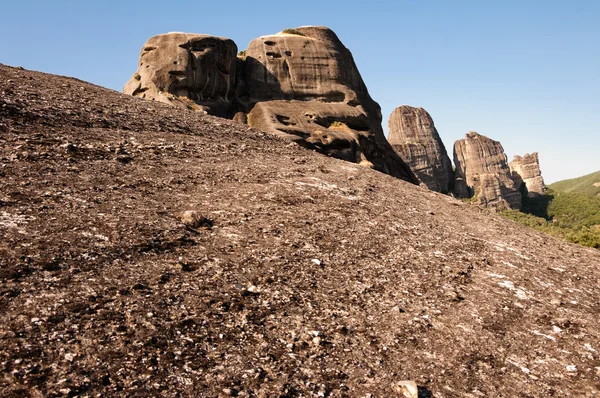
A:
{"points": [[188, 70], [482, 172], [413, 135], [302, 86], [526, 170], [320, 279], [306, 87]]}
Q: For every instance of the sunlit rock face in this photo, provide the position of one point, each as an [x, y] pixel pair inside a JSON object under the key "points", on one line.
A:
{"points": [[482, 172], [188, 70], [413, 135], [526, 170], [304, 85], [300, 84]]}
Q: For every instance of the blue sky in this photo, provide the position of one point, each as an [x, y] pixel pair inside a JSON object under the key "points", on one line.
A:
{"points": [[526, 73]]}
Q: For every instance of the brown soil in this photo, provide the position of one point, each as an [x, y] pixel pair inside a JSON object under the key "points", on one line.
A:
{"points": [[301, 275]]}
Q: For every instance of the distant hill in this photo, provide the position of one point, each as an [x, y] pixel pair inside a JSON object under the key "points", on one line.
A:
{"points": [[588, 185], [569, 209]]}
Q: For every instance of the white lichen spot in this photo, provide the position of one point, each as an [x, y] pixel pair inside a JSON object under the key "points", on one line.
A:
{"points": [[507, 284], [589, 347], [538, 333], [556, 329], [511, 265]]}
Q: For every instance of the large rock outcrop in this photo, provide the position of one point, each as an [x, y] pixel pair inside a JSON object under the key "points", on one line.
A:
{"points": [[413, 135], [188, 70], [482, 172], [301, 84], [304, 85], [526, 170]]}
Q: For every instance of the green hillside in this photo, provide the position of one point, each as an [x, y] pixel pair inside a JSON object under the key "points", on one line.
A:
{"points": [[588, 185], [571, 215]]}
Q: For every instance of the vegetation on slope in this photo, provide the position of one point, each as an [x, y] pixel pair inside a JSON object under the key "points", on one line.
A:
{"points": [[588, 185], [573, 216]]}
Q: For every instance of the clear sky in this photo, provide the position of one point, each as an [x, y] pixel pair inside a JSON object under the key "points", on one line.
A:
{"points": [[526, 73]]}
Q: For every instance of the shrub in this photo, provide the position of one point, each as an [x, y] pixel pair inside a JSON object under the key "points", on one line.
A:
{"points": [[290, 31], [338, 125]]}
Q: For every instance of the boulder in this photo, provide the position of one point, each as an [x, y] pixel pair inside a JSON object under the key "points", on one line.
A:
{"points": [[192, 71], [482, 173], [302, 84], [413, 136], [526, 170]]}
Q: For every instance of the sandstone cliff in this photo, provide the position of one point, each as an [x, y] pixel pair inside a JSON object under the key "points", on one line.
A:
{"points": [[304, 85], [526, 170], [482, 172], [187, 70], [413, 136]]}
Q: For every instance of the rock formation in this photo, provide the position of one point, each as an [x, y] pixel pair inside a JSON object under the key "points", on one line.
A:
{"points": [[188, 70], [413, 136], [482, 172], [526, 170], [303, 84]]}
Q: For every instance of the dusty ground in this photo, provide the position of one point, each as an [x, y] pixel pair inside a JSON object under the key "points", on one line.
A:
{"points": [[309, 276]]}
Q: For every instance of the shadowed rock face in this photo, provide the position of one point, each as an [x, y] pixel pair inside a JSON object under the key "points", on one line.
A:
{"points": [[482, 172], [413, 136], [526, 170], [307, 88], [187, 70]]}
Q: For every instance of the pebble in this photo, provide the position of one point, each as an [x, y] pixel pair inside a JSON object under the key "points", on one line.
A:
{"points": [[407, 389]]}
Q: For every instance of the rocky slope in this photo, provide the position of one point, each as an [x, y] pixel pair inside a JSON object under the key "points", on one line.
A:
{"points": [[482, 172], [413, 136], [526, 170], [303, 86], [147, 250]]}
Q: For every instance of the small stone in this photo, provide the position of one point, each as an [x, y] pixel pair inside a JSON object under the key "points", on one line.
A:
{"points": [[407, 389], [556, 329], [316, 261], [571, 368], [193, 219], [251, 291]]}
